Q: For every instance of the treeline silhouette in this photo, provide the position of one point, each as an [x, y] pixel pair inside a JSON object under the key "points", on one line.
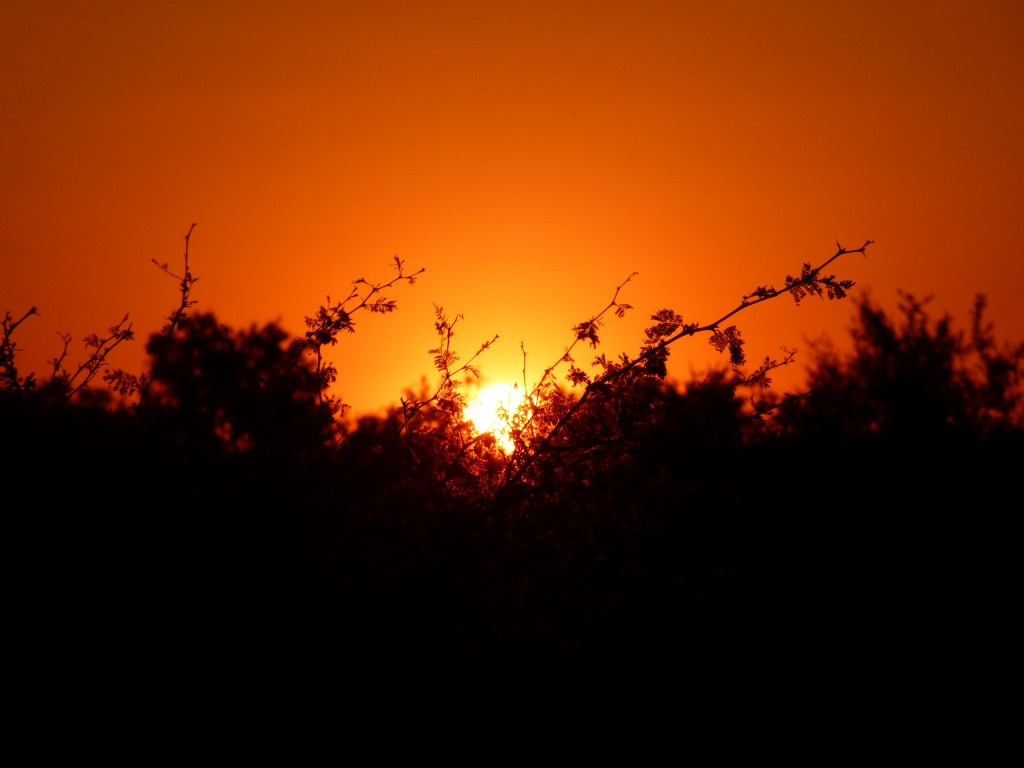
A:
{"points": [[644, 542]]}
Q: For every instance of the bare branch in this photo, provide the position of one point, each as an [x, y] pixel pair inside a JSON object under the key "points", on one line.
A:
{"points": [[185, 282], [333, 318]]}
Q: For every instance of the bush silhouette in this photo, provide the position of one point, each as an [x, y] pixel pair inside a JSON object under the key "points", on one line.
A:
{"points": [[915, 379], [641, 537], [238, 391]]}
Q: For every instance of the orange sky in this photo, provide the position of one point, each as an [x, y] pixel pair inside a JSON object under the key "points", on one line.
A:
{"points": [[530, 155]]}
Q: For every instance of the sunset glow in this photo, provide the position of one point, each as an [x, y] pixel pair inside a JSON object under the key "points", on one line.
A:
{"points": [[491, 408], [269, 269], [528, 156]]}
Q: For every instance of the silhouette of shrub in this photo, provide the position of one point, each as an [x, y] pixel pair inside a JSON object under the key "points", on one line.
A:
{"points": [[238, 391], [641, 537], [914, 379]]}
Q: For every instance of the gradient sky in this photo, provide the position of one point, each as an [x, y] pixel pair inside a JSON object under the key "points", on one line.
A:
{"points": [[529, 155]]}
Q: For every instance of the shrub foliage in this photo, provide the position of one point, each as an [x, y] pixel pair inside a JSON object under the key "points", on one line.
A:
{"points": [[638, 535]]}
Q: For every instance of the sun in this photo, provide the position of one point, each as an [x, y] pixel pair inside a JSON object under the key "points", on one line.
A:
{"points": [[486, 409]]}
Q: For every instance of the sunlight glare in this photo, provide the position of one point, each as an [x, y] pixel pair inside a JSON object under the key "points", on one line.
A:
{"points": [[486, 408]]}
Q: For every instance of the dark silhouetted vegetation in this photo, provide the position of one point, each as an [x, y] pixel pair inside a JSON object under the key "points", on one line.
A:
{"points": [[217, 520]]}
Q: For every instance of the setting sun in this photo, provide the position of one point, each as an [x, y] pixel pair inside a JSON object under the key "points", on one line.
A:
{"points": [[489, 408]]}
